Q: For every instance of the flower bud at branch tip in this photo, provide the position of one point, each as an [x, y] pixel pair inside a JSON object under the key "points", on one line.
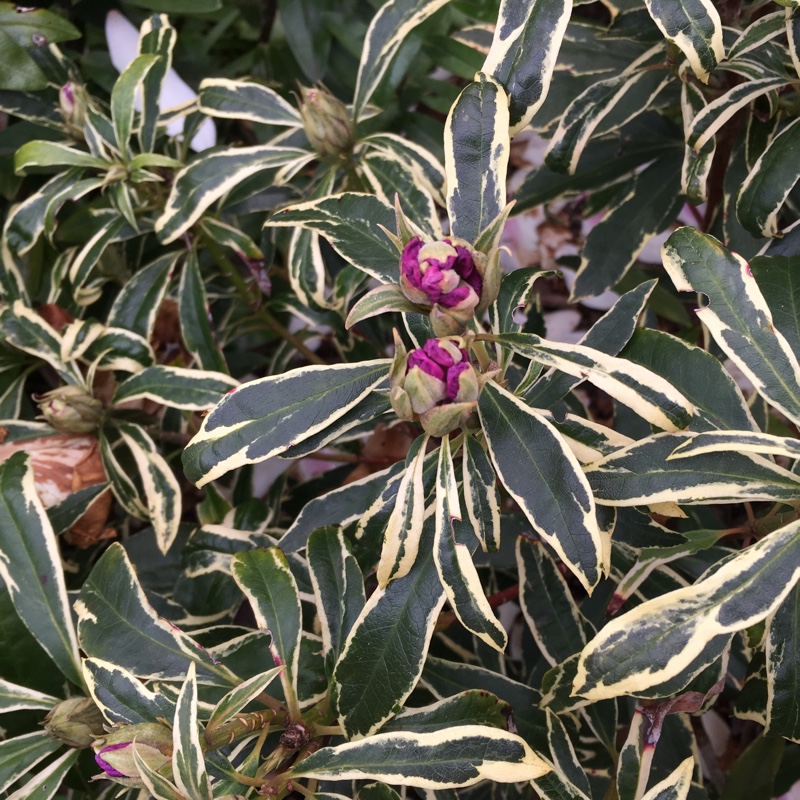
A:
{"points": [[114, 752], [326, 121], [70, 409], [76, 722]]}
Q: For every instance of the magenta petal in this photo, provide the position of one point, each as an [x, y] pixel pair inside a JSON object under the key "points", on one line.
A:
{"points": [[409, 262], [430, 282], [105, 766], [465, 267], [458, 295], [438, 354], [418, 358], [452, 379]]}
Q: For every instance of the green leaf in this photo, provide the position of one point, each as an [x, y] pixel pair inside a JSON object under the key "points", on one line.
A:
{"points": [[480, 495], [65, 514], [553, 493], [352, 225], [157, 37], [695, 28], [757, 33], [385, 652], [117, 624], [565, 760], [115, 228], [265, 417], [769, 183], [783, 668], [196, 330], [777, 278], [524, 51], [381, 300], [643, 473], [123, 94], [659, 639], [47, 780], [675, 786], [24, 25], [176, 387], [613, 245], [228, 99], [31, 566], [476, 148], [15, 698], [211, 176], [630, 766], [717, 400], [265, 578], [338, 587], [737, 315], [696, 166], [233, 702], [22, 753], [18, 71], [453, 558], [121, 697], [388, 30], [471, 707], [547, 604], [377, 791], [188, 761], [52, 154], [438, 760], [739, 442]]}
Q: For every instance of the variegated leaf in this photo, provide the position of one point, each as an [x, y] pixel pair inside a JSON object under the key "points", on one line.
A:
{"points": [[553, 493], [265, 578], [476, 148], [523, 53], [381, 300], [388, 30], [565, 760], [783, 667], [659, 639], [737, 315], [385, 652], [47, 781], [404, 529], [644, 392], [156, 784], [338, 587], [30, 566], [233, 702], [430, 169], [211, 176], [793, 36], [769, 183], [161, 487], [157, 37], [739, 442], [188, 760], [265, 417], [16, 698], [719, 111], [695, 28], [696, 164], [480, 495], [453, 559], [227, 99], [757, 33], [675, 786], [352, 223], [470, 707], [116, 623], [190, 389], [554, 620], [53, 154], [114, 228], [643, 473], [123, 94], [629, 765], [138, 301], [21, 753], [438, 760]]}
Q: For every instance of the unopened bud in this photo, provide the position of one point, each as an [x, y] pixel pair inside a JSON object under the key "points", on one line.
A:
{"points": [[70, 409], [326, 121], [76, 722], [114, 752], [72, 102]]}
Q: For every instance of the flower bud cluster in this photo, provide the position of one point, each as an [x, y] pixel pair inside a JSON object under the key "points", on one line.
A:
{"points": [[114, 752], [70, 409]]}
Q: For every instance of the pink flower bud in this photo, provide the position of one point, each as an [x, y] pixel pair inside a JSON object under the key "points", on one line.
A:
{"points": [[114, 753]]}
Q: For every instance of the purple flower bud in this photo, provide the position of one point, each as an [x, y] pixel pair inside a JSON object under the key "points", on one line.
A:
{"points": [[114, 752]]}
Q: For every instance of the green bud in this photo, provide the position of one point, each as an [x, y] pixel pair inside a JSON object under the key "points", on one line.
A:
{"points": [[73, 104], [114, 752], [70, 409], [326, 121], [76, 722]]}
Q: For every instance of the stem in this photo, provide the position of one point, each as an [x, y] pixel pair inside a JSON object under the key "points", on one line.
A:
{"points": [[448, 618], [293, 340]]}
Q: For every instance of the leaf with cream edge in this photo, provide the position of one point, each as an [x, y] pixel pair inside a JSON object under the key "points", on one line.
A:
{"points": [[480, 494], [157, 37], [629, 765], [53, 154], [161, 487], [123, 94], [676, 785], [30, 566], [644, 392], [523, 54], [21, 753], [659, 639], [116, 623], [352, 223], [267, 582], [265, 417], [188, 762], [737, 315], [476, 148], [565, 760], [453, 559], [47, 780], [696, 166], [176, 387], [783, 667], [16, 698], [770, 182], [385, 652], [233, 702], [739, 442], [211, 176], [159, 787], [552, 492], [438, 760], [387, 31], [227, 99], [404, 529], [381, 300], [470, 707], [643, 473], [695, 28]]}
